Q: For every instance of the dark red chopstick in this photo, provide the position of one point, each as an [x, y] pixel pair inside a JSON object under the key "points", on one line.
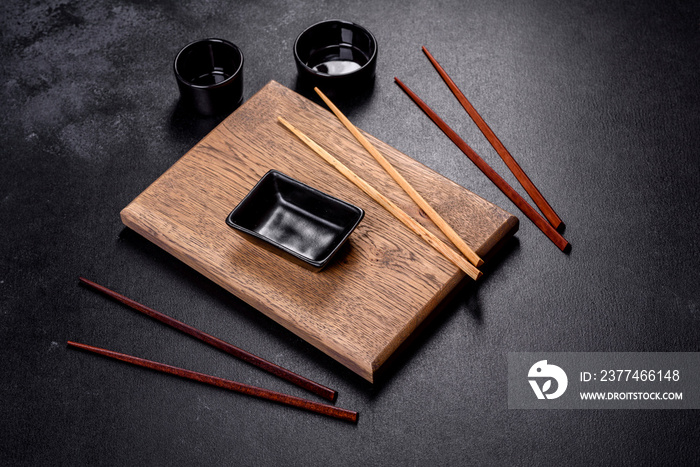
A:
{"points": [[231, 349], [502, 185], [317, 407], [512, 164]]}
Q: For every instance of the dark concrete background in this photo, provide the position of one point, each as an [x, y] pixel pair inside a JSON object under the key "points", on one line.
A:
{"points": [[597, 100]]}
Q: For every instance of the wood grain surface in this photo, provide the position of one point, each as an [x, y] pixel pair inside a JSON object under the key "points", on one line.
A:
{"points": [[398, 178], [376, 292], [387, 204]]}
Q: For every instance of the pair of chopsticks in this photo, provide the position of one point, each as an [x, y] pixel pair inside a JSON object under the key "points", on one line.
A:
{"points": [[322, 391], [550, 226], [469, 267]]}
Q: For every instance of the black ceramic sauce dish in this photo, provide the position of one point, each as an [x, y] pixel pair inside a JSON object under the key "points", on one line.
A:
{"points": [[294, 220], [336, 53]]}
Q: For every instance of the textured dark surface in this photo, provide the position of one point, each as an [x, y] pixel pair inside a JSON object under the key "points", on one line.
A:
{"points": [[597, 100]]}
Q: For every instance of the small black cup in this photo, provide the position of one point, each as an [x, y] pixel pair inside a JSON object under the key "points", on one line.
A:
{"points": [[209, 74], [336, 54]]}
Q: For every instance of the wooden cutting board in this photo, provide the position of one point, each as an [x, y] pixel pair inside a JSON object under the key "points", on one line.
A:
{"points": [[377, 291]]}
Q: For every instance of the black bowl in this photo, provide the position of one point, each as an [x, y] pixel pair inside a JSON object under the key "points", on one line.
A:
{"points": [[335, 53], [294, 221], [209, 74]]}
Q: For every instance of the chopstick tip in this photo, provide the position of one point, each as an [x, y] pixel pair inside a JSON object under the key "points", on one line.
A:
{"points": [[287, 125], [324, 98], [85, 281], [89, 283]]}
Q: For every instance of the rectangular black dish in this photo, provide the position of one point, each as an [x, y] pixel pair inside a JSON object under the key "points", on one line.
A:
{"points": [[294, 220]]}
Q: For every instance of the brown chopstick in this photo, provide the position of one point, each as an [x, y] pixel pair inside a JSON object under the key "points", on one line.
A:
{"points": [[514, 167], [502, 185], [403, 183], [317, 407], [382, 200], [231, 349]]}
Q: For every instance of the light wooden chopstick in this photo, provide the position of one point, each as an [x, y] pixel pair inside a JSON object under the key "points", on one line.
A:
{"points": [[398, 178], [407, 220]]}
